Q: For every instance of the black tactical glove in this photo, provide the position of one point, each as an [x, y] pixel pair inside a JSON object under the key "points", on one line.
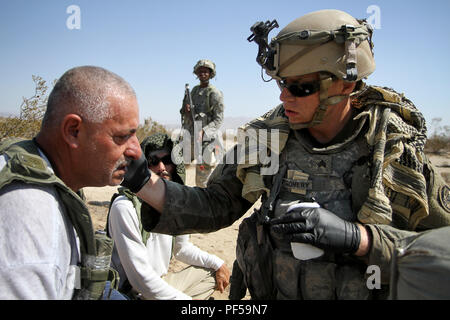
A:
{"points": [[137, 174], [319, 227]]}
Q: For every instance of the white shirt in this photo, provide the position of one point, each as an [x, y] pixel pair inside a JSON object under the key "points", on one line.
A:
{"points": [[38, 245], [145, 264]]}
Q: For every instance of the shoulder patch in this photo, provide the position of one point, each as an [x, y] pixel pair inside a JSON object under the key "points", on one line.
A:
{"points": [[444, 197], [32, 161]]}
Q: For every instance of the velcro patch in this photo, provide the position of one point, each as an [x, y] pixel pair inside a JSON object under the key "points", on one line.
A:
{"points": [[297, 182], [32, 161]]}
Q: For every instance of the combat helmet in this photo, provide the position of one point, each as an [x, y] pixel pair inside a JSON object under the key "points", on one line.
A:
{"points": [[206, 63], [325, 41]]}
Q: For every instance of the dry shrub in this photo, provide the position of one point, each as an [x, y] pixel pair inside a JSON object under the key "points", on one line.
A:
{"points": [[20, 128], [32, 111], [438, 144], [150, 127], [439, 141]]}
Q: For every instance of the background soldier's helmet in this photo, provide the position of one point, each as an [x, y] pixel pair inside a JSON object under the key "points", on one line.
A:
{"points": [[206, 63], [326, 40]]}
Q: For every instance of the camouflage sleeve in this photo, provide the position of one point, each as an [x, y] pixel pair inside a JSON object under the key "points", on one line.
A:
{"points": [[438, 193], [217, 107], [197, 210], [385, 236], [383, 240]]}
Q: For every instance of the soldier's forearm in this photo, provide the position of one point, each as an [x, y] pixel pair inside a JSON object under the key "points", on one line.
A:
{"points": [[154, 193], [380, 252], [365, 243], [186, 209]]}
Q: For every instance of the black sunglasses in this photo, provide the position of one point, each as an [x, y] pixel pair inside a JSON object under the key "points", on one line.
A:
{"points": [[154, 160], [300, 89]]}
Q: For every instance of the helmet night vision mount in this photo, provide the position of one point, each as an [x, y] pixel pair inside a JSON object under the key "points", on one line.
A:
{"points": [[260, 32], [336, 35]]}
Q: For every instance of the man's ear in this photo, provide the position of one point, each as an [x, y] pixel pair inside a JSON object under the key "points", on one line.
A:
{"points": [[70, 128]]}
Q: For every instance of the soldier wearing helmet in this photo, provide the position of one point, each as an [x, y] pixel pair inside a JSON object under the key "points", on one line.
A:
{"points": [[207, 110], [351, 180]]}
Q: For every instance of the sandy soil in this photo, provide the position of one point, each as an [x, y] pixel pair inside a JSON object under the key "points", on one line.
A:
{"points": [[221, 243]]}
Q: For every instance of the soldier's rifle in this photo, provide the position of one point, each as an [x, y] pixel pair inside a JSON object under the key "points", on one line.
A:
{"points": [[191, 105], [197, 145]]}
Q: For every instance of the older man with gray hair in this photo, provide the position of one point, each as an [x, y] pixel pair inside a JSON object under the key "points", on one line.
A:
{"points": [[48, 249]]}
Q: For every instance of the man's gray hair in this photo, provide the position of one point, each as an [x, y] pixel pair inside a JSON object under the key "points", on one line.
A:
{"points": [[85, 91]]}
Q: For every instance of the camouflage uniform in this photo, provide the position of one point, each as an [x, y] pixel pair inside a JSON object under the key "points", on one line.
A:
{"points": [[373, 172], [362, 175], [208, 108]]}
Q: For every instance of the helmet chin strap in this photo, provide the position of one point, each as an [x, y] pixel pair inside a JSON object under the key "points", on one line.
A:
{"points": [[324, 103]]}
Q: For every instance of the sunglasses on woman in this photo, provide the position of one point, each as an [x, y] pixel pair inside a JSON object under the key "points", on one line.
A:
{"points": [[154, 160], [300, 89]]}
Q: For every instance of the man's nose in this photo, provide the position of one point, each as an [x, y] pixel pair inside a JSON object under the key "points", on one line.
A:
{"points": [[133, 149], [161, 167], [286, 95]]}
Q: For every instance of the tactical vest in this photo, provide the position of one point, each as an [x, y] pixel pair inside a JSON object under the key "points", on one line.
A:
{"points": [[202, 107], [25, 165], [335, 177], [324, 175], [137, 205]]}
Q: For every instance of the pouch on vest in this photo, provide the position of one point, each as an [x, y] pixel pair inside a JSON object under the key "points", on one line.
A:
{"points": [[96, 270], [237, 285], [254, 250], [255, 259]]}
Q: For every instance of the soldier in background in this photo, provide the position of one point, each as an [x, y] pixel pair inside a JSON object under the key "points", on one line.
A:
{"points": [[354, 150], [207, 110]]}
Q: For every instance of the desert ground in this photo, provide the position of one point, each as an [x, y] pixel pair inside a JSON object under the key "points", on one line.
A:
{"points": [[221, 243]]}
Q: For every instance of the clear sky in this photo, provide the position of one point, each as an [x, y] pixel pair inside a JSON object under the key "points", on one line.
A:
{"points": [[154, 45]]}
